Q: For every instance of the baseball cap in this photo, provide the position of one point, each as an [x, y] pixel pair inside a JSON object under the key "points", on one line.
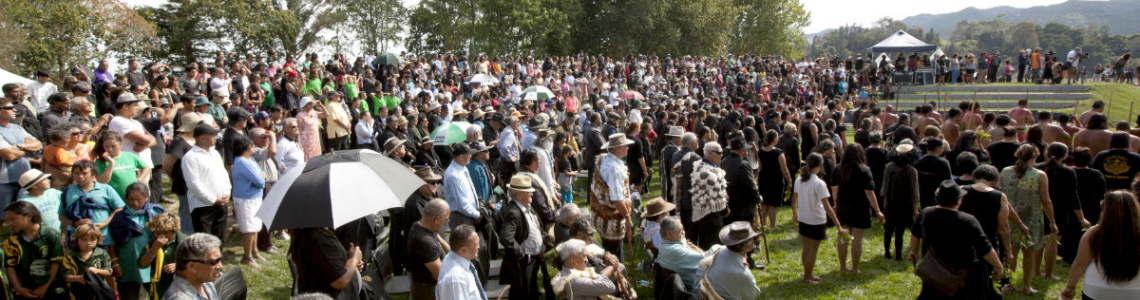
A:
{"points": [[127, 98], [261, 115], [220, 93]]}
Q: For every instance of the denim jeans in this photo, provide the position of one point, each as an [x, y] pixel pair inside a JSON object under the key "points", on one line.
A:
{"points": [[9, 192]]}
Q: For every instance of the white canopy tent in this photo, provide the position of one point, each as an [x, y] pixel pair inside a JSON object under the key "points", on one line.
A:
{"points": [[9, 77], [901, 41]]}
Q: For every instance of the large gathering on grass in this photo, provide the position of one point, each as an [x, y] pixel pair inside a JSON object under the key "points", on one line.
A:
{"points": [[578, 150]]}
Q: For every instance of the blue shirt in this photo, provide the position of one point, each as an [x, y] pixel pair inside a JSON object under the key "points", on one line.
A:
{"points": [[100, 193], [480, 179], [679, 258], [459, 192], [248, 183], [10, 170], [730, 278], [508, 144], [528, 139]]}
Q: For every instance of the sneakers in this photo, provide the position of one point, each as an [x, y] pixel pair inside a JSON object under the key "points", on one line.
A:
{"points": [[282, 235]]}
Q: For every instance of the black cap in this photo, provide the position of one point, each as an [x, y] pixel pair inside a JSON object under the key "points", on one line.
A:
{"points": [[204, 129], [82, 87], [497, 117]]}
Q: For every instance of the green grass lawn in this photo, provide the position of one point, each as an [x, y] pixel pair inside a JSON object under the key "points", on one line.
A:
{"points": [[882, 278]]}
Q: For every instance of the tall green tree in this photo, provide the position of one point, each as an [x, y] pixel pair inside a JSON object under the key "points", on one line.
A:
{"points": [[60, 33], [770, 26], [311, 17], [376, 24]]}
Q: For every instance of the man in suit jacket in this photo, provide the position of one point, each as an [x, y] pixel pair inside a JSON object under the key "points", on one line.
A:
{"points": [[743, 195], [521, 235]]}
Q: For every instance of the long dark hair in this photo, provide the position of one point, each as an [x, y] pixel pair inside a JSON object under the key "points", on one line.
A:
{"points": [[966, 141], [853, 159], [1026, 155], [813, 161], [1116, 238], [1055, 156]]}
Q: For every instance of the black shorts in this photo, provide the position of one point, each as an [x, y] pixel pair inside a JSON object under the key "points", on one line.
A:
{"points": [[815, 232]]}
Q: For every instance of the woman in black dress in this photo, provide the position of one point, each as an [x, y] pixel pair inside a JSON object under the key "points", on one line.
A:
{"points": [[877, 161], [958, 240], [775, 176], [809, 134], [900, 195], [1066, 205], [1091, 190], [991, 208], [853, 189], [635, 159]]}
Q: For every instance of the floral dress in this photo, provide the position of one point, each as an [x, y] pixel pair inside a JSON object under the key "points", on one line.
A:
{"points": [[1025, 196], [310, 137]]}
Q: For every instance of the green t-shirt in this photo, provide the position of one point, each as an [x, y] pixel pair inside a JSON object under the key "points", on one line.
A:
{"points": [[269, 100], [392, 102], [48, 204], [168, 257], [127, 166], [217, 112], [351, 91], [75, 265], [313, 87], [32, 258]]}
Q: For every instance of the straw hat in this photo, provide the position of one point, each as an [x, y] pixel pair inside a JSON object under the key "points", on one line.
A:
{"points": [[617, 140], [520, 183]]}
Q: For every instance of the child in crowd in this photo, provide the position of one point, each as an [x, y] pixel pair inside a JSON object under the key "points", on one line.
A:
{"points": [[566, 174], [85, 258], [129, 238], [57, 159], [167, 232], [88, 201], [32, 254], [40, 194]]}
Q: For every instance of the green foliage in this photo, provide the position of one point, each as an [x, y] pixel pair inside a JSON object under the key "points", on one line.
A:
{"points": [[375, 23], [60, 32], [551, 27]]}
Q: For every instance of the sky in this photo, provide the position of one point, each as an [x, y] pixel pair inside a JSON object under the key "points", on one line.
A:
{"points": [[827, 14]]}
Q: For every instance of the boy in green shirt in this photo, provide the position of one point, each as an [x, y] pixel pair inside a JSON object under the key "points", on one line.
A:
{"points": [[32, 254], [86, 257]]}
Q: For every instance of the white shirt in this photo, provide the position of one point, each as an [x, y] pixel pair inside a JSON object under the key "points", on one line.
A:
{"points": [[1072, 57], [123, 126], [810, 192], [533, 243], [39, 93], [289, 154], [206, 177], [363, 133], [456, 282]]}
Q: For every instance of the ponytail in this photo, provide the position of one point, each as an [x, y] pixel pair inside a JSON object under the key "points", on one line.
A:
{"points": [[814, 160], [1055, 156]]}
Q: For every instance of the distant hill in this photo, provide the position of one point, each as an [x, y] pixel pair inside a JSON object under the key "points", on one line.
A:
{"points": [[1119, 15]]}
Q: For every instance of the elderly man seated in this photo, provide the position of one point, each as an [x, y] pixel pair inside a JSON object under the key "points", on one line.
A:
{"points": [[579, 281], [725, 274], [566, 217], [678, 254], [199, 264]]}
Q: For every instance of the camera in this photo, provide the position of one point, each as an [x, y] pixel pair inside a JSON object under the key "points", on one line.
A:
{"points": [[1084, 55]]}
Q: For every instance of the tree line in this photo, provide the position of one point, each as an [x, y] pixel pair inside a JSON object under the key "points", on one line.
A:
{"points": [[182, 31]]}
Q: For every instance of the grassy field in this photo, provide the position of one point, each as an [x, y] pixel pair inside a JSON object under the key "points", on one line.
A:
{"points": [[882, 278]]}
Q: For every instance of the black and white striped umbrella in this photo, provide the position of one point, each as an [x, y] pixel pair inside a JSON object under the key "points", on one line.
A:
{"points": [[336, 188]]}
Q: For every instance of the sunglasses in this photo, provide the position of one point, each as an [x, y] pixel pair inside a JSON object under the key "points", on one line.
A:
{"points": [[212, 262], [8, 108]]}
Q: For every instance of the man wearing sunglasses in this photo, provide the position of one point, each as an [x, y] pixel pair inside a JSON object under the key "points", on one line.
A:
{"points": [[199, 264], [15, 145]]}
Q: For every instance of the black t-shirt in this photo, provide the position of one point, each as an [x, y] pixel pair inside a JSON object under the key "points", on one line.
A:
{"points": [[932, 170], [228, 139], [636, 152], [1091, 189], [877, 162], [1001, 154], [158, 151], [178, 148], [1063, 192], [985, 207], [1118, 166], [423, 247], [319, 258], [956, 237], [853, 189]]}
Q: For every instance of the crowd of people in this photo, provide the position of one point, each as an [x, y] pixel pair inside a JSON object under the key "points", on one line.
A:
{"points": [[733, 139]]}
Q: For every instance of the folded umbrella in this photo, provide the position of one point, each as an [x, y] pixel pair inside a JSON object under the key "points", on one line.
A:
{"points": [[336, 188]]}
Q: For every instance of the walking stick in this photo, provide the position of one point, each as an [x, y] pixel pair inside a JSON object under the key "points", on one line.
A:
{"points": [[504, 293], [763, 235]]}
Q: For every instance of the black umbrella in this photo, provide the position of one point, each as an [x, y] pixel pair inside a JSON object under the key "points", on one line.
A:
{"points": [[336, 188]]}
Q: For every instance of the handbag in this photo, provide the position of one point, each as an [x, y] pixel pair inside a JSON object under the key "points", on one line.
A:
{"points": [[936, 274]]}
